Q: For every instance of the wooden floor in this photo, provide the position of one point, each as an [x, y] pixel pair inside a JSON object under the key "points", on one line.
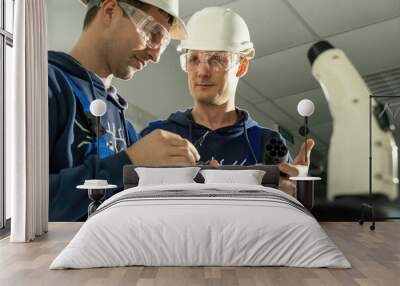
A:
{"points": [[374, 255]]}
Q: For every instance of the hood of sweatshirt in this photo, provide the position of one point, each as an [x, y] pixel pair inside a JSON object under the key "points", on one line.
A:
{"points": [[92, 84]]}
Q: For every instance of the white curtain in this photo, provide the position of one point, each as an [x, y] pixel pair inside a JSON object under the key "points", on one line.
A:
{"points": [[27, 124]]}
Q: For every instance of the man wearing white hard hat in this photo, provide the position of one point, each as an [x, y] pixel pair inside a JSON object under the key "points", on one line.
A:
{"points": [[119, 38], [215, 56]]}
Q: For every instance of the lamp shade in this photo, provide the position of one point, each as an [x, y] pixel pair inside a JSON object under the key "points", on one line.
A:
{"points": [[305, 108], [98, 107]]}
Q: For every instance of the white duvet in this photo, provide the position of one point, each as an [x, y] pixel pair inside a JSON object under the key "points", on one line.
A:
{"points": [[144, 226]]}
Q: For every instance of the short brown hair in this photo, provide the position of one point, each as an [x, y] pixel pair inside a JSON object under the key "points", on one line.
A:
{"points": [[91, 14]]}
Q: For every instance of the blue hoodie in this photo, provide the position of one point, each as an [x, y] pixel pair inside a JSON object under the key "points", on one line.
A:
{"points": [[240, 144], [72, 136]]}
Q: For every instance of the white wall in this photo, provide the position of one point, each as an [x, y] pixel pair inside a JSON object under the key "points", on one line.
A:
{"points": [[64, 23]]}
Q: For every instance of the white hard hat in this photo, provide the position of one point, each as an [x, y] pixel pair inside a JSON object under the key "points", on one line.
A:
{"points": [[178, 29], [217, 29]]}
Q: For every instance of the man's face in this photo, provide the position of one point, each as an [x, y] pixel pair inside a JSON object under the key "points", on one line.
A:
{"points": [[208, 84], [126, 49]]}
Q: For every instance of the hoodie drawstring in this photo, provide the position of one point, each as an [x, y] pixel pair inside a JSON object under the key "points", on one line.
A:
{"points": [[248, 144], [190, 132], [120, 107]]}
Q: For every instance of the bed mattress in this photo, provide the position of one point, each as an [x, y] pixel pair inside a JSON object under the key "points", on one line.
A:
{"points": [[201, 225]]}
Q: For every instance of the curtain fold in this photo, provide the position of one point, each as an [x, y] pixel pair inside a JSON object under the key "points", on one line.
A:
{"points": [[27, 124]]}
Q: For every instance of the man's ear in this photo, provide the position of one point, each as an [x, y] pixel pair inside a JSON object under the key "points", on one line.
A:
{"points": [[107, 10], [243, 68]]}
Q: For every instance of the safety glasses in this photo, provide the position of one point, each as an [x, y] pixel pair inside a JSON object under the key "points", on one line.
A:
{"points": [[154, 34], [216, 61]]}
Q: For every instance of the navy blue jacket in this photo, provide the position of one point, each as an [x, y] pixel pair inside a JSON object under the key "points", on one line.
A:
{"points": [[72, 136], [243, 143]]}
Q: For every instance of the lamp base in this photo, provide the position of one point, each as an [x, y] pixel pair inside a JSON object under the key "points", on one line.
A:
{"points": [[362, 219], [96, 197], [96, 192], [305, 190]]}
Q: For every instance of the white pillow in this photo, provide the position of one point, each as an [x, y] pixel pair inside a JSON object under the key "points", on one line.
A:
{"points": [[163, 176], [248, 177]]}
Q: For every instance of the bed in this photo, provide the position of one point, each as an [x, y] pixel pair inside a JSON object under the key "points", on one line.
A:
{"points": [[201, 224]]}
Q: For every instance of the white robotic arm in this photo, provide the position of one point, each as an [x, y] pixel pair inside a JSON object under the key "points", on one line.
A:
{"points": [[348, 98]]}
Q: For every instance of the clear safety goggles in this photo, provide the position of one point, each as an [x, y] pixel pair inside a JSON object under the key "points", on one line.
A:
{"points": [[216, 61], [154, 34]]}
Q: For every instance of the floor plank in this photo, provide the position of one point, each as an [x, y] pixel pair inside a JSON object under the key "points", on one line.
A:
{"points": [[375, 257]]}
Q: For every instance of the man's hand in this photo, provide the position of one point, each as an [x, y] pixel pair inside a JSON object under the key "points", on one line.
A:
{"points": [[162, 147], [299, 167], [214, 163]]}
